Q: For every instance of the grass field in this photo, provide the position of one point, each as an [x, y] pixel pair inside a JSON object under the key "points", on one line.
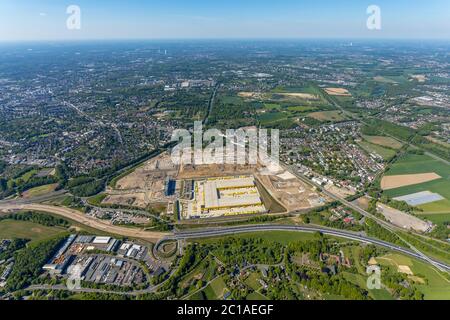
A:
{"points": [[436, 287], [274, 113], [256, 296], [327, 116], [437, 207], [10, 229], [386, 154], [301, 109], [215, 290], [252, 281], [272, 106], [439, 219], [414, 164], [384, 141], [38, 191], [269, 118]]}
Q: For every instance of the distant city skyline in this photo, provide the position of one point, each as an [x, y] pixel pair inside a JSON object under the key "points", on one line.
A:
{"points": [[22, 20]]}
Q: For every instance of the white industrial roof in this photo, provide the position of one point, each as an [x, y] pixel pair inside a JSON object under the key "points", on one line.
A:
{"points": [[101, 240]]}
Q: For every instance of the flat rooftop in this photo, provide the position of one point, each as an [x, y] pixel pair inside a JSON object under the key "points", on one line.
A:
{"points": [[216, 197], [246, 193]]}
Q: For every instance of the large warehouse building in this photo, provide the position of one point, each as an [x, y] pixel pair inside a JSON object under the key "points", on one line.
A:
{"points": [[223, 196]]}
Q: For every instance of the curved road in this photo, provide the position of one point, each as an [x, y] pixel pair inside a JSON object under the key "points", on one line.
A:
{"points": [[205, 233]]}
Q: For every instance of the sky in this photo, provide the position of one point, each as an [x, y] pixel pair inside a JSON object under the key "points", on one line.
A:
{"points": [[22, 20]]}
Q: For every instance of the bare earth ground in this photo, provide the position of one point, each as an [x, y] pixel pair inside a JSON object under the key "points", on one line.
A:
{"points": [[214, 170], [338, 92], [293, 194], [405, 269], [89, 221], [306, 96], [362, 202], [401, 219], [128, 199], [393, 182], [341, 192], [145, 185]]}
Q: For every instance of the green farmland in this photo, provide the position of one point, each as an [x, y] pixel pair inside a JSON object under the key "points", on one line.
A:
{"points": [[411, 164]]}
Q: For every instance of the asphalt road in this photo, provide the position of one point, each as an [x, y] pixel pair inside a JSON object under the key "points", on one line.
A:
{"points": [[205, 233]]}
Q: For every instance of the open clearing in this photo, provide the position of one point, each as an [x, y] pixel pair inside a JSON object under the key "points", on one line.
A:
{"points": [[437, 207], [402, 220], [334, 116], [291, 192], [385, 153], [216, 289], [306, 96], [338, 92], [39, 191], [393, 182], [384, 141], [10, 229]]}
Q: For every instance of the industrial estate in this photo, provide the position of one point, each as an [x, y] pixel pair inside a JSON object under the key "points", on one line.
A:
{"points": [[93, 205]]}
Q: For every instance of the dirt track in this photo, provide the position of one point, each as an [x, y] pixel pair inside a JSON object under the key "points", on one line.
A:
{"points": [[89, 221]]}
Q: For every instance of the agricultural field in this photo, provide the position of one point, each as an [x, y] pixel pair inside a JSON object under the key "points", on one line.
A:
{"points": [[438, 218], [337, 92], [283, 106], [421, 164]]}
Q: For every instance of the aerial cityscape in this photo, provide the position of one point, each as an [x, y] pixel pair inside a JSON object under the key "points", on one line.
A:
{"points": [[226, 167]]}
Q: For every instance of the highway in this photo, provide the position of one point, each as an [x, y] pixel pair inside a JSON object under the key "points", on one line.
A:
{"points": [[215, 232]]}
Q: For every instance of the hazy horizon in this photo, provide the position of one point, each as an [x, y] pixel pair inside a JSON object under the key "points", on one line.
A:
{"points": [[45, 20]]}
